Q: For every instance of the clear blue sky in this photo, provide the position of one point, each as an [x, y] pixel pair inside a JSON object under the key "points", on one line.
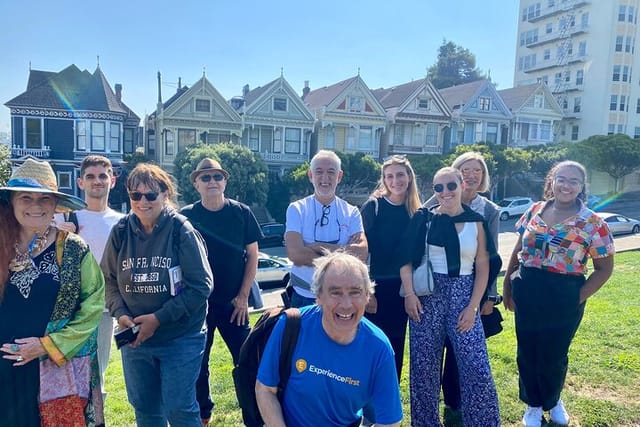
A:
{"points": [[248, 42]]}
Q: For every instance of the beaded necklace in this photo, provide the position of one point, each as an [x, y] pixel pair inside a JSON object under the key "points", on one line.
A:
{"points": [[23, 260]]}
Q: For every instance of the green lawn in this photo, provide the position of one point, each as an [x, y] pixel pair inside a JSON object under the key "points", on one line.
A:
{"points": [[602, 387]]}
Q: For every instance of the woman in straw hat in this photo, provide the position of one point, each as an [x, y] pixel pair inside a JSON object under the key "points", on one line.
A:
{"points": [[51, 299], [157, 282]]}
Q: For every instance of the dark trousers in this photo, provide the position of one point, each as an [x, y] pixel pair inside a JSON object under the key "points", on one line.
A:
{"points": [[391, 317], [233, 335], [548, 313]]}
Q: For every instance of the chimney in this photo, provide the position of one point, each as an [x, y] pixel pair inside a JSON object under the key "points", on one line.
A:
{"points": [[159, 89], [305, 89], [179, 83], [119, 92], [245, 90]]}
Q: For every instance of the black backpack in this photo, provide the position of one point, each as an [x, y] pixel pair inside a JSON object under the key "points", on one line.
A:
{"points": [[246, 371]]}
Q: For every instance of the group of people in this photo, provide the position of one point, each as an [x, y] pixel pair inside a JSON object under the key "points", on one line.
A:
{"points": [[68, 276]]}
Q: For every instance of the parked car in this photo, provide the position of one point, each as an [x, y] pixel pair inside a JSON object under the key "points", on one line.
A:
{"points": [[512, 206], [620, 224], [273, 234], [273, 272]]}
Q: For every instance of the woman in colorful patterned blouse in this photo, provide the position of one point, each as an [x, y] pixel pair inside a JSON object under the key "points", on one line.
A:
{"points": [[51, 301], [547, 285]]}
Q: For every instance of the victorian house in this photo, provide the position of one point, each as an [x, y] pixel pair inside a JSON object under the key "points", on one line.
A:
{"points": [[64, 116], [276, 124], [536, 114], [418, 119], [196, 113], [349, 118], [478, 114]]}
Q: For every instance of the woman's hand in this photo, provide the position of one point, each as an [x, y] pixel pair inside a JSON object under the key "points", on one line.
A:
{"points": [[23, 350], [466, 319], [148, 324], [372, 305], [413, 307], [507, 297]]}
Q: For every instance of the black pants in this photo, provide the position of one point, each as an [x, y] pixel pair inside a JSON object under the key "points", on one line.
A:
{"points": [[548, 313], [233, 335]]}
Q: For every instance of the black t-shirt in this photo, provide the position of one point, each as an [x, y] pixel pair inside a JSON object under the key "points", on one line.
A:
{"points": [[384, 233], [227, 232]]}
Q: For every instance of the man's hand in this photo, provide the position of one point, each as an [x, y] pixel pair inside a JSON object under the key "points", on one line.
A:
{"points": [[240, 310]]}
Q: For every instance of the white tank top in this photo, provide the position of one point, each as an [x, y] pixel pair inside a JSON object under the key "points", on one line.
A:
{"points": [[468, 238]]}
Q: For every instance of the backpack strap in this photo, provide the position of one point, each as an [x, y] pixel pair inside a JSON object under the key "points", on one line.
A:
{"points": [[289, 341], [72, 217]]}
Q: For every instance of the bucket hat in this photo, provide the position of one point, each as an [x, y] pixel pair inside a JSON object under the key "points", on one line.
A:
{"points": [[208, 165], [34, 176]]}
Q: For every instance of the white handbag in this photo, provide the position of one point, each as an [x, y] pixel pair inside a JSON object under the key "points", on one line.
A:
{"points": [[423, 275]]}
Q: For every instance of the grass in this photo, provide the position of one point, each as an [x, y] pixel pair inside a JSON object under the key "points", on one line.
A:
{"points": [[602, 386]]}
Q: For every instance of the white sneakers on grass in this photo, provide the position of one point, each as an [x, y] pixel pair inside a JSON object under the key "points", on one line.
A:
{"points": [[533, 415], [558, 414]]}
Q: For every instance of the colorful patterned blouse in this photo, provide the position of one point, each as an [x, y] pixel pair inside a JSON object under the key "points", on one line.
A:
{"points": [[564, 247]]}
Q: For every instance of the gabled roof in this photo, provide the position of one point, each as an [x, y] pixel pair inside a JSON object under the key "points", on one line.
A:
{"points": [[458, 95], [254, 94], [397, 95], [256, 97], [71, 90], [323, 96], [515, 97]]}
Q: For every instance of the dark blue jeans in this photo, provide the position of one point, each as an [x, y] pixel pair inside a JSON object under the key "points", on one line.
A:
{"points": [[218, 317], [160, 380]]}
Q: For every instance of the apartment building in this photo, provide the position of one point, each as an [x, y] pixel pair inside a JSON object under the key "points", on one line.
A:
{"points": [[584, 50]]}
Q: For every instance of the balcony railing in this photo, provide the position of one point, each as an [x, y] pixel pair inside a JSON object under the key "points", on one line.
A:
{"points": [[410, 149], [559, 7], [40, 153], [284, 157], [556, 35], [552, 63]]}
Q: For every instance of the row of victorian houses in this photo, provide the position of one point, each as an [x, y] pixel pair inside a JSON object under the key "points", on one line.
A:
{"points": [[63, 116]]}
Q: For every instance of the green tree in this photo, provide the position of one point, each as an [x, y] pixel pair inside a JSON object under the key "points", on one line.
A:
{"points": [[248, 173], [5, 164], [616, 155], [278, 197], [455, 65]]}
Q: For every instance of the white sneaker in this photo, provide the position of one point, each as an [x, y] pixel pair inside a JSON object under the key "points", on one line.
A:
{"points": [[532, 416], [559, 414]]}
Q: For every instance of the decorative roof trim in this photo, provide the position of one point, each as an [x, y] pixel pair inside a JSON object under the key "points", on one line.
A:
{"points": [[39, 112]]}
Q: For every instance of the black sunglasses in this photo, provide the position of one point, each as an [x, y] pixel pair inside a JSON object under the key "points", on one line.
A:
{"points": [[207, 177], [137, 196], [451, 186]]}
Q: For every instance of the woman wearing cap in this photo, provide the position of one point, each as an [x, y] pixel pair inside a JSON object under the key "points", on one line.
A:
{"points": [[51, 299], [158, 281], [463, 261]]}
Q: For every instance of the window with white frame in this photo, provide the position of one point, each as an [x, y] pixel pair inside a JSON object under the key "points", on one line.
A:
{"points": [[81, 135], [631, 15], [622, 129], [557, 78], [417, 136], [584, 20], [277, 140], [538, 101], [330, 137], [548, 28], [547, 54], [129, 143], [551, 3], [423, 103], [530, 36], [97, 136], [356, 103], [484, 103], [577, 104], [627, 44], [292, 140], [203, 106], [638, 106], [254, 139], [432, 135], [531, 12], [365, 138], [529, 61], [545, 130], [616, 73], [567, 76], [569, 48], [575, 130], [352, 133], [114, 137], [64, 180], [625, 73], [398, 134], [169, 143], [33, 132], [619, 43], [186, 137], [636, 133], [623, 102], [564, 102], [611, 129], [492, 132], [279, 104], [622, 13], [582, 49], [579, 77], [613, 103]]}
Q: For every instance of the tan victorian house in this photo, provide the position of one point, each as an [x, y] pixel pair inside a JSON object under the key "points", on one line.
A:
{"points": [[349, 118]]}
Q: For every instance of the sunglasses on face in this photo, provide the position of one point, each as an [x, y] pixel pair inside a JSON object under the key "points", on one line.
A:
{"points": [[208, 177], [451, 186], [136, 196]]}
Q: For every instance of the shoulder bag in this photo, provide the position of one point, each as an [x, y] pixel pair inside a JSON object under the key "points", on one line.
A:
{"points": [[423, 275]]}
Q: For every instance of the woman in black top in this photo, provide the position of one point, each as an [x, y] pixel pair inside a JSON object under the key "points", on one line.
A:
{"points": [[385, 216]]}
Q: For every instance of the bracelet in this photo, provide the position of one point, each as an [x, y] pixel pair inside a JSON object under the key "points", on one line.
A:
{"points": [[409, 295]]}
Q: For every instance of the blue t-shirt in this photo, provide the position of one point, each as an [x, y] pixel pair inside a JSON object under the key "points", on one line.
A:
{"points": [[330, 383]]}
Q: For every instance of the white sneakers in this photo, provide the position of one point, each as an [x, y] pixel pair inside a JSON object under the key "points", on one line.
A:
{"points": [[559, 414], [533, 415]]}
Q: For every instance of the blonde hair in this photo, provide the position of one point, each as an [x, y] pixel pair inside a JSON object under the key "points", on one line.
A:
{"points": [[155, 178], [449, 170], [485, 184], [412, 199]]}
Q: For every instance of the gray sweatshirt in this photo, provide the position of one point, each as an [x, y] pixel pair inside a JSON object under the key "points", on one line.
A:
{"points": [[136, 269]]}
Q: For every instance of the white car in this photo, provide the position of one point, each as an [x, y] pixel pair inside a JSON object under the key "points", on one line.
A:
{"points": [[512, 206], [273, 271], [620, 224]]}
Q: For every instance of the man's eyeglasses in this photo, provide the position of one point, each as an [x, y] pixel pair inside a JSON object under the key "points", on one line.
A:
{"points": [[324, 219], [136, 196], [208, 177], [451, 186]]}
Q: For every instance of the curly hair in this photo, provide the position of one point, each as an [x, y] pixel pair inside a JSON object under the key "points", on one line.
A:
{"points": [[547, 194]]}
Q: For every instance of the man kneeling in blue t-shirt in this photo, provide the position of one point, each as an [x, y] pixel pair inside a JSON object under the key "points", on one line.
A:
{"points": [[341, 363]]}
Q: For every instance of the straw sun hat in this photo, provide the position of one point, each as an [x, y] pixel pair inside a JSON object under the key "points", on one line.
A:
{"points": [[38, 177]]}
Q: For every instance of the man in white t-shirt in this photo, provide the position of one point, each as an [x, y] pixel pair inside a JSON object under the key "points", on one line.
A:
{"points": [[94, 225], [319, 224]]}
